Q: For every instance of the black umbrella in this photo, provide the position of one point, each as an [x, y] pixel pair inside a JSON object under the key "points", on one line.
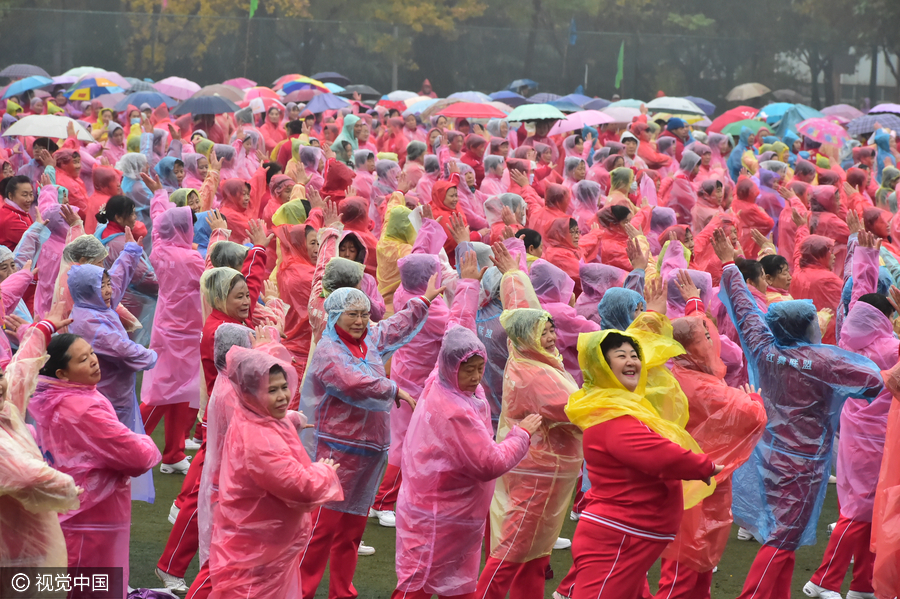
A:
{"points": [[331, 77], [206, 105], [154, 99], [23, 70], [362, 90], [139, 86]]}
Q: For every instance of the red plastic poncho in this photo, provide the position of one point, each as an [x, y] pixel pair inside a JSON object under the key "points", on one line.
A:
{"points": [[812, 278], [824, 221], [106, 184], [787, 230], [474, 156], [706, 207], [886, 516], [704, 256], [613, 240], [267, 487], [233, 208], [751, 216], [294, 277], [556, 205], [561, 252]]}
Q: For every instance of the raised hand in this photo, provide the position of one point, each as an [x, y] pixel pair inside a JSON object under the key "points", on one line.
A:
{"points": [[216, 220], [45, 180], [508, 216], [458, 228], [655, 296], [531, 423], [256, 231], [432, 290], [800, 219], [69, 215], [270, 290], [750, 389], [853, 222], [214, 163], [631, 230], [152, 183], [129, 237], [758, 238], [327, 461], [686, 285], [428, 213], [507, 233], [638, 257], [332, 218], [260, 336], [350, 192], [174, 133], [11, 323], [722, 246], [404, 396], [403, 184], [518, 177], [503, 260], [468, 269]]}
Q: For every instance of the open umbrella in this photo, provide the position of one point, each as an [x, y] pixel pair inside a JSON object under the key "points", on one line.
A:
{"points": [[596, 104], [869, 122], [747, 91], [505, 108], [544, 97], [220, 89], [91, 87], [260, 92], [154, 99], [416, 100], [262, 105], [178, 88], [578, 99], [674, 105], [324, 102], [47, 125], [844, 110], [564, 106], [520, 83], [109, 75], [510, 98], [333, 87], [27, 84], [420, 107], [626, 103], [110, 100], [882, 108], [332, 77], [472, 110], [64, 80], [789, 95], [621, 114], [470, 96], [399, 95], [80, 71], [139, 86], [772, 113], [240, 83], [535, 112], [206, 105], [302, 83], [823, 131], [705, 105], [364, 91], [579, 120], [23, 70], [735, 128], [301, 95], [731, 116]]}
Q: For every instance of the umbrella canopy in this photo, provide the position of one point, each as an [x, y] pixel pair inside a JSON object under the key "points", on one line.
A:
{"points": [[154, 99], [506, 108], [746, 91], [732, 116], [365, 91], [579, 120], [470, 96], [91, 87], [177, 87], [399, 95], [417, 99], [520, 83], [47, 125], [140, 86], [332, 77], [823, 131], [535, 112], [674, 105], [81, 71], [302, 83], [420, 107], [220, 89], [260, 92], [793, 117], [109, 75], [333, 87], [844, 110], [705, 105], [882, 108], [544, 97], [870, 122], [578, 99], [240, 83], [789, 95], [564, 106], [472, 110], [27, 84], [206, 105], [735, 127], [432, 109], [324, 102], [621, 114], [596, 104], [111, 100], [23, 70], [510, 98], [64, 80], [772, 113], [261, 105], [301, 95], [627, 103]]}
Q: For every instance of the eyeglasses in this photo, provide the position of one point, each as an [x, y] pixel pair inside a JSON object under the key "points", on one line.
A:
{"points": [[354, 316]]}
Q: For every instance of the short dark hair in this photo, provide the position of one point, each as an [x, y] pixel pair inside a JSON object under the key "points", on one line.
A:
{"points": [[277, 369], [529, 237], [878, 301], [620, 212], [58, 350], [272, 169], [295, 127], [11, 184], [614, 340], [773, 264], [573, 223], [115, 206], [750, 269]]}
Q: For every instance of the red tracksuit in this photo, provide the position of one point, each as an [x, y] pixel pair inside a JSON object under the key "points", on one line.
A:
{"points": [[389, 489], [849, 540], [180, 419], [634, 506], [334, 539]]}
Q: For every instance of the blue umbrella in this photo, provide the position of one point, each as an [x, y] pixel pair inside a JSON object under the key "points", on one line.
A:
{"points": [[577, 99], [324, 102], [544, 97], [797, 113], [596, 104], [206, 105], [27, 84], [421, 106], [705, 105], [520, 83], [470, 96], [774, 112], [334, 87], [154, 99], [510, 98], [564, 106]]}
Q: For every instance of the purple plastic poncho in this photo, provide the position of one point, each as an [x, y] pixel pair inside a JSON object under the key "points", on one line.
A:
{"points": [[348, 399], [450, 463], [178, 321], [596, 280], [673, 261]]}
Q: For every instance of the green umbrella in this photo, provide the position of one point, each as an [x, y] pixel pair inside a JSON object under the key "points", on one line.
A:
{"points": [[535, 112], [735, 128]]}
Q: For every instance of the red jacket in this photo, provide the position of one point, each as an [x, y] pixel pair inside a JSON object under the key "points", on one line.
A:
{"points": [[13, 224]]}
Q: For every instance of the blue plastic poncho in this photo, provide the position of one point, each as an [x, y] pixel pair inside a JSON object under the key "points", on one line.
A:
{"points": [[617, 308], [202, 232], [778, 493], [882, 140], [735, 158]]}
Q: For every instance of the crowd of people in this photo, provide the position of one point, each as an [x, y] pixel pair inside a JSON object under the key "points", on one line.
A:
{"points": [[469, 332]]}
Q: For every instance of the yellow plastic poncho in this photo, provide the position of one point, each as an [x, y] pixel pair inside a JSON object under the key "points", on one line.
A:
{"points": [[396, 241], [657, 401], [292, 212]]}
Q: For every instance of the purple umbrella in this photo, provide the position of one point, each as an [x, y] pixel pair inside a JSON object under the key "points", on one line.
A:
{"points": [[866, 124], [544, 97], [843, 110], [324, 102], [177, 87], [17, 71], [596, 104], [882, 108]]}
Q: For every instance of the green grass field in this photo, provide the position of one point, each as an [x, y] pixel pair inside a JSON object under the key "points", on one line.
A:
{"points": [[375, 578]]}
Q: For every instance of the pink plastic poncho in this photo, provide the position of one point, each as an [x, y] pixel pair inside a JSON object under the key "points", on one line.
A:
{"points": [[11, 291], [868, 332], [414, 361], [80, 435], [886, 516], [672, 262], [348, 398], [554, 290], [178, 321], [31, 492], [450, 462], [595, 280], [51, 249], [268, 486], [585, 204]]}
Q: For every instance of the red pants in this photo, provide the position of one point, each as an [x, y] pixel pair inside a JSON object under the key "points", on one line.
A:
{"points": [[850, 539], [423, 595], [202, 585], [610, 564], [192, 477], [179, 419], [522, 581], [390, 487], [184, 540], [334, 541], [770, 575], [677, 581]]}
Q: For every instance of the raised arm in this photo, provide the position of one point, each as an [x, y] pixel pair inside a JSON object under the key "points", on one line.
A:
{"points": [[123, 269], [865, 266]]}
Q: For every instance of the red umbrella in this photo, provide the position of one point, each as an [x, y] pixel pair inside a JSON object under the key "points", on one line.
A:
{"points": [[472, 110], [732, 116], [260, 92], [390, 104]]}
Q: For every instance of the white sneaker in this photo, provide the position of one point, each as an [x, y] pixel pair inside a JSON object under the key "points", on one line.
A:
{"points": [[715, 569], [814, 590], [181, 467], [575, 518], [744, 534], [364, 549], [831, 528], [386, 518], [172, 583], [192, 445], [173, 512], [860, 595], [562, 543], [556, 594], [832, 480]]}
